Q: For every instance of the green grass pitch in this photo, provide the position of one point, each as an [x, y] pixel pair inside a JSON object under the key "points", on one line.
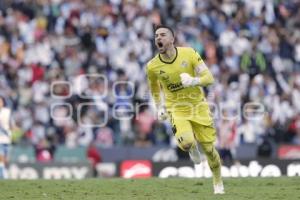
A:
{"points": [[154, 188]]}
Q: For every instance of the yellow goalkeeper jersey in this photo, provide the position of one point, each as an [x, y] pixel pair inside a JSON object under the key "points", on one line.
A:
{"points": [[183, 102]]}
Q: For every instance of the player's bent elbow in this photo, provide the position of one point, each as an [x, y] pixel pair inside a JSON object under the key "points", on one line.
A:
{"points": [[206, 78]]}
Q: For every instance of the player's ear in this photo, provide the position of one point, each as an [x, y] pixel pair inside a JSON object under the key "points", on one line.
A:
{"points": [[173, 39]]}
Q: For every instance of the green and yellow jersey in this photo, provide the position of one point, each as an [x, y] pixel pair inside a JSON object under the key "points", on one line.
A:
{"points": [[181, 102]]}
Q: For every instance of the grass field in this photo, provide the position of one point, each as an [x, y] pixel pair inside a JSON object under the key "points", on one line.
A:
{"points": [[160, 189]]}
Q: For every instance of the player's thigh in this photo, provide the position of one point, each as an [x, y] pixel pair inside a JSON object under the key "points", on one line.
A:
{"points": [[183, 132], [203, 133]]}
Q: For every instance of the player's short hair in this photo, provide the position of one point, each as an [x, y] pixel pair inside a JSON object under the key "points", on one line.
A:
{"points": [[164, 26]]}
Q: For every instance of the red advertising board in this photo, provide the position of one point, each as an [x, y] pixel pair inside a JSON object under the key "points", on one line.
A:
{"points": [[289, 152], [136, 169]]}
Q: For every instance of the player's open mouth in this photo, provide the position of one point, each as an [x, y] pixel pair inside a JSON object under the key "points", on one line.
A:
{"points": [[160, 44]]}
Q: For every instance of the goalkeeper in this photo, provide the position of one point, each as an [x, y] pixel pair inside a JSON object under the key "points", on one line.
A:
{"points": [[179, 73]]}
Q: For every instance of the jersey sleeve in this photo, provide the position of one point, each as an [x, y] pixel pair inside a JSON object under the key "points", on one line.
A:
{"points": [[196, 58], [201, 69], [153, 85]]}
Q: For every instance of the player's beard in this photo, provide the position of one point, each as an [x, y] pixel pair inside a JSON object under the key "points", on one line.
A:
{"points": [[162, 50]]}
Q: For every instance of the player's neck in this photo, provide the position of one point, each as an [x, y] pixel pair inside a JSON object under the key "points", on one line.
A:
{"points": [[169, 54]]}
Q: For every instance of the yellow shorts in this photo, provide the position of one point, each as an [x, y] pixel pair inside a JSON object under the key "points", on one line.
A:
{"points": [[187, 130]]}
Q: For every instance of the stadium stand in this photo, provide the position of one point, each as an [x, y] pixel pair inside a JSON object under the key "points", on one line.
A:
{"points": [[65, 64]]}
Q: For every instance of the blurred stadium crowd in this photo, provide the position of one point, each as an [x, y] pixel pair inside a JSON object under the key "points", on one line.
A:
{"points": [[66, 62]]}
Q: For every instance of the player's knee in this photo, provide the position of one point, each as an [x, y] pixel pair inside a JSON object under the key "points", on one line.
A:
{"points": [[185, 141], [186, 146]]}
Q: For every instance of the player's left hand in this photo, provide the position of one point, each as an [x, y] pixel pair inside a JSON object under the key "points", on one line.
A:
{"points": [[189, 81]]}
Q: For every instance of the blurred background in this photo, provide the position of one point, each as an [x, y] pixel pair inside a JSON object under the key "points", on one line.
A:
{"points": [[73, 74]]}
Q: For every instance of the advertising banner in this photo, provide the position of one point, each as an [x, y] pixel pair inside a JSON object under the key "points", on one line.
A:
{"points": [[251, 168], [136, 169], [289, 152], [147, 169], [49, 171]]}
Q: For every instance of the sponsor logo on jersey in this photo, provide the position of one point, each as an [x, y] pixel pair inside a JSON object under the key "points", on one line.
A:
{"points": [[175, 86]]}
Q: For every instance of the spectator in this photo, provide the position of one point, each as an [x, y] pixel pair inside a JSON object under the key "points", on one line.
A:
{"points": [[94, 157], [227, 136], [44, 150], [6, 124], [264, 149], [144, 127]]}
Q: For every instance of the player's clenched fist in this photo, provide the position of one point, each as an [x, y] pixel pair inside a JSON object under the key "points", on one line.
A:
{"points": [[189, 81]]}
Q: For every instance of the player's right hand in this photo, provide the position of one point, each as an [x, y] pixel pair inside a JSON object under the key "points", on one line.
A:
{"points": [[189, 81], [162, 114]]}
